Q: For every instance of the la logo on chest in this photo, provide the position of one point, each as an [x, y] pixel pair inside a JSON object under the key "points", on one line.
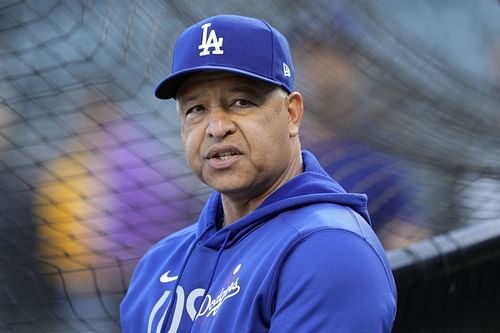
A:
{"points": [[210, 43]]}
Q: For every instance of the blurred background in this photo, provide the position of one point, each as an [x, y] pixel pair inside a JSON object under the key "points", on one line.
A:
{"points": [[402, 103]]}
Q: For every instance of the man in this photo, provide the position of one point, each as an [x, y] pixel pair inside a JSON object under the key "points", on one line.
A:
{"points": [[279, 246]]}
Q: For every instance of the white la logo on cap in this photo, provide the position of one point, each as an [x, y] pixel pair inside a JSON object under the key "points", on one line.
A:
{"points": [[211, 41]]}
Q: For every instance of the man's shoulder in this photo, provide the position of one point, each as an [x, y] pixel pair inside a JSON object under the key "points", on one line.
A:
{"points": [[333, 229], [177, 239], [327, 216]]}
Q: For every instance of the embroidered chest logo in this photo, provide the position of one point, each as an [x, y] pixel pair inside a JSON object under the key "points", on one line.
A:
{"points": [[186, 301], [210, 306], [210, 41]]}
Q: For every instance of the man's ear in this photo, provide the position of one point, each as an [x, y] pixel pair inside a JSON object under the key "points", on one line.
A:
{"points": [[295, 111]]}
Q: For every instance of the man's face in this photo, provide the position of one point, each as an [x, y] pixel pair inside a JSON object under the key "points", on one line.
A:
{"points": [[238, 132]]}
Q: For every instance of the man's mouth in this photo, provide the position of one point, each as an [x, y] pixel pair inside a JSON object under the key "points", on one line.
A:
{"points": [[223, 152], [224, 156], [220, 157]]}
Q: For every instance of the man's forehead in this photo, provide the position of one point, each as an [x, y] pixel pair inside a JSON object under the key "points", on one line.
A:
{"points": [[199, 78], [211, 75]]}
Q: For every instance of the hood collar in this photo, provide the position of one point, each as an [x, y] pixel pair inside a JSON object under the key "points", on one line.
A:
{"points": [[313, 185]]}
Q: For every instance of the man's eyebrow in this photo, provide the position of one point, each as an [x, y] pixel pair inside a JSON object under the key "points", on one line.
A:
{"points": [[250, 89], [189, 98], [253, 89]]}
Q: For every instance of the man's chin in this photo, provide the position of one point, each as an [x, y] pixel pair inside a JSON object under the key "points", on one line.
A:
{"points": [[227, 189]]}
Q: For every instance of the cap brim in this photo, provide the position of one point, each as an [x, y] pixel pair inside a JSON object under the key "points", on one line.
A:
{"points": [[168, 87]]}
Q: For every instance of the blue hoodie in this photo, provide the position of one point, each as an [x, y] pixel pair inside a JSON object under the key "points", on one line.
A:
{"points": [[306, 260]]}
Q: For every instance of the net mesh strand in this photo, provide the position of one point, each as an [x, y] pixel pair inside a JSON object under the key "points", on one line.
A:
{"points": [[92, 171]]}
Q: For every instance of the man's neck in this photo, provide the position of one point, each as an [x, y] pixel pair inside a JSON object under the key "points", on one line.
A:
{"points": [[234, 211], [235, 206]]}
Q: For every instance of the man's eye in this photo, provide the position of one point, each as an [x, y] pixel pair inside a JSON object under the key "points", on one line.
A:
{"points": [[243, 103], [195, 109]]}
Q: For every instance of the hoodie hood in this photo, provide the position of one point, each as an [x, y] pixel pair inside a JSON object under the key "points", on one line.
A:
{"points": [[312, 186]]}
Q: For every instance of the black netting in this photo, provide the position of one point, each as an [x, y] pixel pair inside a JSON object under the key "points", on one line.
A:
{"points": [[92, 171]]}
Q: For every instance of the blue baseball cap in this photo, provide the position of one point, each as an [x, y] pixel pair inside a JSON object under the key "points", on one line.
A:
{"points": [[230, 43]]}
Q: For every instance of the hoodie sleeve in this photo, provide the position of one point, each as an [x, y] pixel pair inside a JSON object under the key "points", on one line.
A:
{"points": [[334, 281]]}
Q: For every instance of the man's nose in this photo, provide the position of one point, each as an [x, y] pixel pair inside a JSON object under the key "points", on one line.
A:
{"points": [[220, 123]]}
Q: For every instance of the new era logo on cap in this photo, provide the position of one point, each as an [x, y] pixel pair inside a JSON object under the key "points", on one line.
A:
{"points": [[238, 44], [286, 70]]}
